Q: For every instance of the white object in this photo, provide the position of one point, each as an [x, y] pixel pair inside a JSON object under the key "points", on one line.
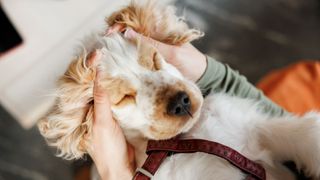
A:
{"points": [[51, 29]]}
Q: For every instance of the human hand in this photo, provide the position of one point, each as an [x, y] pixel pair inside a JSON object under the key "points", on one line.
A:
{"points": [[186, 58], [113, 156]]}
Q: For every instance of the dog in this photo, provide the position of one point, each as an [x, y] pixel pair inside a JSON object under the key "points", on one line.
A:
{"points": [[151, 99]]}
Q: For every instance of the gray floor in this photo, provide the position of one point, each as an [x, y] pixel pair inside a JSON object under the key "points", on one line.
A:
{"points": [[24, 154], [256, 36], [253, 36]]}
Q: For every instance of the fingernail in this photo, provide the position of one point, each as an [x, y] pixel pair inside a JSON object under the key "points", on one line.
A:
{"points": [[130, 33]]}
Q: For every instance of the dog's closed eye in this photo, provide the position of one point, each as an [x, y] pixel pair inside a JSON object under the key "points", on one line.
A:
{"points": [[127, 99], [156, 61]]}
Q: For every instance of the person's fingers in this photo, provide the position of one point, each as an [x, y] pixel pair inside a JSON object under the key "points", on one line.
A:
{"points": [[115, 28], [102, 110], [131, 155], [92, 58], [163, 48]]}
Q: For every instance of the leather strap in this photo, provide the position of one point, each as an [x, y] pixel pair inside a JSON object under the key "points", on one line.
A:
{"points": [[159, 150], [151, 165]]}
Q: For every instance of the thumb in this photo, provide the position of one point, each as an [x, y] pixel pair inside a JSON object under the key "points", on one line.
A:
{"points": [[164, 49], [102, 109]]}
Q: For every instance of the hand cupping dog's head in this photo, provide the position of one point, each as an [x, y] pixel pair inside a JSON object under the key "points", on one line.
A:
{"points": [[152, 19], [149, 97]]}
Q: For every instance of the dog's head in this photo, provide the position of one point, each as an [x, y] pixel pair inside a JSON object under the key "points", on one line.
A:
{"points": [[148, 96]]}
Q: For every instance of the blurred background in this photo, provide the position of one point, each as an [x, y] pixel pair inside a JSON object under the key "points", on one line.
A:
{"points": [[252, 36]]}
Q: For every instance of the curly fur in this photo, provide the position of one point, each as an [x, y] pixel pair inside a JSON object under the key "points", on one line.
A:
{"points": [[70, 120], [141, 83], [68, 124], [152, 19]]}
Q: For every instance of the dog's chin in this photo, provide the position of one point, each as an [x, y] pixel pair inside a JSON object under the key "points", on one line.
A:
{"points": [[163, 136], [172, 133]]}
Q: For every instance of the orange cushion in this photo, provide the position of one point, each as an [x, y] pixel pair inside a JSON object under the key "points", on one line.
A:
{"points": [[296, 88]]}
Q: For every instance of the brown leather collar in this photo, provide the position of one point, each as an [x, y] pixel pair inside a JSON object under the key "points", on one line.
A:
{"points": [[158, 150]]}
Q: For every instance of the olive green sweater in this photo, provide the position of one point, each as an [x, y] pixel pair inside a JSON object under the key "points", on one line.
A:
{"points": [[221, 78]]}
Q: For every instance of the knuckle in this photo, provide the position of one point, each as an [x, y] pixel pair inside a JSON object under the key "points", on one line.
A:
{"points": [[99, 96]]}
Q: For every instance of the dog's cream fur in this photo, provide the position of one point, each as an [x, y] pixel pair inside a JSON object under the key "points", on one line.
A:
{"points": [[140, 84]]}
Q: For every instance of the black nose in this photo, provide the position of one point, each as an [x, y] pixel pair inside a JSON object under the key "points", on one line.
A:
{"points": [[179, 105]]}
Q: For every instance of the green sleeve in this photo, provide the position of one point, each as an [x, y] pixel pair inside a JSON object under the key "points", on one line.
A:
{"points": [[221, 78]]}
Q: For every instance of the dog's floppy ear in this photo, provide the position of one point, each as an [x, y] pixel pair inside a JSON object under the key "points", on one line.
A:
{"points": [[69, 123], [63, 131], [150, 18]]}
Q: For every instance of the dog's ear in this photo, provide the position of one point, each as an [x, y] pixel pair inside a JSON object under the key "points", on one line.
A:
{"points": [[68, 131], [69, 123], [150, 18]]}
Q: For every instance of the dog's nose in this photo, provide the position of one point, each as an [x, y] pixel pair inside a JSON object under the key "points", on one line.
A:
{"points": [[179, 105]]}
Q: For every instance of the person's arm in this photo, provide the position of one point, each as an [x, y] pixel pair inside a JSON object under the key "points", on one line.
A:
{"points": [[219, 77]]}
